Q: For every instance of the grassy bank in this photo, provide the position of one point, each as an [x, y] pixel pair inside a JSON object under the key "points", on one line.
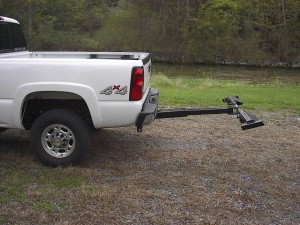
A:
{"points": [[204, 92]]}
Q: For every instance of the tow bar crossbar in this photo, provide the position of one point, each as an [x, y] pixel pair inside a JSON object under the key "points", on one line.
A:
{"points": [[248, 120]]}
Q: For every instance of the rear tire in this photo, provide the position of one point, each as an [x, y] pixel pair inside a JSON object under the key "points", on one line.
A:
{"points": [[60, 137]]}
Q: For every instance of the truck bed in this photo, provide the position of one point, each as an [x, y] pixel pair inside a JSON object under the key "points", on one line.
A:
{"points": [[80, 55]]}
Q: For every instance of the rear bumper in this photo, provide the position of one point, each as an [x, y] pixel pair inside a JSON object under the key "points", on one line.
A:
{"points": [[149, 110]]}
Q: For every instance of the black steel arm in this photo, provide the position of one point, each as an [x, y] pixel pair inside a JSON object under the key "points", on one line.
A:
{"points": [[173, 113]]}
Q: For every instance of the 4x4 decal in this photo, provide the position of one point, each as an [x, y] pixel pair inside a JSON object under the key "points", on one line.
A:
{"points": [[116, 89]]}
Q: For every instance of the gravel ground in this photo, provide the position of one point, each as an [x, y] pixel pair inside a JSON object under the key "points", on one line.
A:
{"points": [[210, 170], [194, 170]]}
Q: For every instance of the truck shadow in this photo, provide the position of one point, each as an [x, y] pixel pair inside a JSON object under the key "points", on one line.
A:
{"points": [[117, 145], [15, 146], [108, 146]]}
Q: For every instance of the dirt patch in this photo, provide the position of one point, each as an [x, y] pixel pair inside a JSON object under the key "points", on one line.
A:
{"points": [[195, 170]]}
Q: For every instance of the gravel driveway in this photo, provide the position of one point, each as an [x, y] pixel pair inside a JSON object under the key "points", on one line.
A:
{"points": [[194, 170]]}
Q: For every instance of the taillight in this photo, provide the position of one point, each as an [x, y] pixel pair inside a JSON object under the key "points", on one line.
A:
{"points": [[137, 83]]}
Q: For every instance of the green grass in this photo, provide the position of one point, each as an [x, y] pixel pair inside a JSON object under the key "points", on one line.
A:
{"points": [[205, 92], [41, 188]]}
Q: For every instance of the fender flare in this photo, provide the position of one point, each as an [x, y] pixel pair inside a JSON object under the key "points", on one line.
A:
{"points": [[85, 92]]}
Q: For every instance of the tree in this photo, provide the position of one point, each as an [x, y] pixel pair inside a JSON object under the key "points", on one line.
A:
{"points": [[275, 25], [212, 30], [176, 30], [93, 13]]}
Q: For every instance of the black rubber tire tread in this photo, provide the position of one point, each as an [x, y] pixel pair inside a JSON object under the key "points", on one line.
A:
{"points": [[74, 122]]}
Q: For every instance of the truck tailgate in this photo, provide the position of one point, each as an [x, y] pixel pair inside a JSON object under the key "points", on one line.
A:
{"points": [[147, 72]]}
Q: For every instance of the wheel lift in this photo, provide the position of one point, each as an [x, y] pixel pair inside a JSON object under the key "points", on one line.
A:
{"points": [[248, 120]]}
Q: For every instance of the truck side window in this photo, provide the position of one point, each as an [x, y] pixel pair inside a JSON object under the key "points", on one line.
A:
{"points": [[17, 37], [5, 44]]}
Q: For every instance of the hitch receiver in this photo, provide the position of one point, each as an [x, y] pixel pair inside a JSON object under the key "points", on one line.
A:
{"points": [[248, 120]]}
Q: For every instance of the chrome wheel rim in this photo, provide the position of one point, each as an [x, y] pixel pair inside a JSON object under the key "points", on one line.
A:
{"points": [[58, 140]]}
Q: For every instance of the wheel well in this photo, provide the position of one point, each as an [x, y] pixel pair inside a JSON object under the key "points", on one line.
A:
{"points": [[35, 104]]}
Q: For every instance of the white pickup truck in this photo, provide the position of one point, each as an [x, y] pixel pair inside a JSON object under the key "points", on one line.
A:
{"points": [[61, 96]]}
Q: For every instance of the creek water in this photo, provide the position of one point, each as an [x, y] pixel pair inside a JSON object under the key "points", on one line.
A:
{"points": [[247, 74]]}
